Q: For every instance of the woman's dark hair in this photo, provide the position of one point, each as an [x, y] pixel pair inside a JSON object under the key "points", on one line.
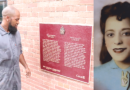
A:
{"points": [[122, 11]]}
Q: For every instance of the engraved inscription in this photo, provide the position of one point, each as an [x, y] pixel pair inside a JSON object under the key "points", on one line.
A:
{"points": [[79, 76], [75, 39], [51, 51], [50, 36], [74, 55], [53, 69]]}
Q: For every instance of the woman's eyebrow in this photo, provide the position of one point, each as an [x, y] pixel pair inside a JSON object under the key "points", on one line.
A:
{"points": [[109, 30], [125, 29]]}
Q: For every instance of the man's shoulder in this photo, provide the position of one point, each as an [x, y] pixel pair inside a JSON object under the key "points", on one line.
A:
{"points": [[2, 31]]}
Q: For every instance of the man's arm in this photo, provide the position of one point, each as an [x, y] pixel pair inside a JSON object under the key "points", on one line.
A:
{"points": [[23, 62]]}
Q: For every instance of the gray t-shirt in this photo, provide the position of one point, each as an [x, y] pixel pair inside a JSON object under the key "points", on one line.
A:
{"points": [[10, 50]]}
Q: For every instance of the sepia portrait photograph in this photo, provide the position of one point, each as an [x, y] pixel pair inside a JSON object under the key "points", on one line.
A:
{"points": [[111, 44]]}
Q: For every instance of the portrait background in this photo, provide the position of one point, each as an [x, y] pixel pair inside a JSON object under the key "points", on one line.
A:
{"points": [[98, 5]]}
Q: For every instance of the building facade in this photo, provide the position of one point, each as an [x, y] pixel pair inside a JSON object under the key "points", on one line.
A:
{"points": [[34, 12]]}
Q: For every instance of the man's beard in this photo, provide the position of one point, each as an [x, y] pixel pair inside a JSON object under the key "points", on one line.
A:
{"points": [[12, 29]]}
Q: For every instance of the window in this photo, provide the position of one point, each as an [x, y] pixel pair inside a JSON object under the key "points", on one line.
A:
{"points": [[3, 4]]}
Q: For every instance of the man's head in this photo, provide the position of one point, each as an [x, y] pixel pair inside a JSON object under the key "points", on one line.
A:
{"points": [[11, 18]]}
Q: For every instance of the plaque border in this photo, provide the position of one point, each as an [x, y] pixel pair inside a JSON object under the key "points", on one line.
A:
{"points": [[91, 53]]}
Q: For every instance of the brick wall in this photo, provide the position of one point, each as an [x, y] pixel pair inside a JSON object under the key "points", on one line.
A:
{"points": [[34, 12]]}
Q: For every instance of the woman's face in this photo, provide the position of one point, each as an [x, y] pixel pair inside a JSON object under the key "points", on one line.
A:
{"points": [[117, 38]]}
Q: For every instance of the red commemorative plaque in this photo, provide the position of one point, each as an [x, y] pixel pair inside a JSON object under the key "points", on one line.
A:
{"points": [[66, 50]]}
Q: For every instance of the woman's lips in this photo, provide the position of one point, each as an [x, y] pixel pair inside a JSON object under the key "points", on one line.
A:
{"points": [[119, 50]]}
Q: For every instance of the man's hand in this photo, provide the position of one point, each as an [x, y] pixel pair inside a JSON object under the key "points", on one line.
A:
{"points": [[23, 62], [28, 72]]}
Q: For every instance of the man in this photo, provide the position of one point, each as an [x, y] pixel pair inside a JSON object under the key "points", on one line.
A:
{"points": [[11, 51]]}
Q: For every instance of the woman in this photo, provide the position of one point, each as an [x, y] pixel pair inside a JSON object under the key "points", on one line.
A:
{"points": [[115, 51]]}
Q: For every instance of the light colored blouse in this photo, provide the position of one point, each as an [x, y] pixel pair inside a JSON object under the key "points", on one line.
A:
{"points": [[109, 77]]}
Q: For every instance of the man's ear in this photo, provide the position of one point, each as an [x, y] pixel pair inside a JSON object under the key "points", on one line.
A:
{"points": [[8, 18]]}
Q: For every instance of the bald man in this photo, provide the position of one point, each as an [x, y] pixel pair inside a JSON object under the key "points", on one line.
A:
{"points": [[11, 51]]}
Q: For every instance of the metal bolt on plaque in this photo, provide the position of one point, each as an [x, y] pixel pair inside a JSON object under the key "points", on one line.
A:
{"points": [[62, 30]]}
